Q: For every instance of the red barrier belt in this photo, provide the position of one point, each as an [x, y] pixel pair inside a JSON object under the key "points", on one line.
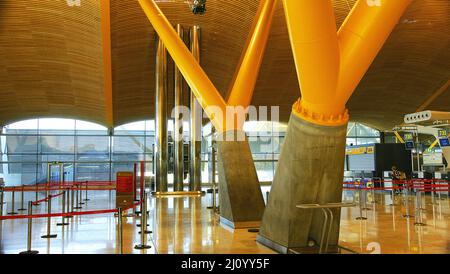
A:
{"points": [[47, 198], [56, 186], [91, 212]]}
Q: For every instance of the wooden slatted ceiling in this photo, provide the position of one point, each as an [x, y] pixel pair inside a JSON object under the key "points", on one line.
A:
{"points": [[64, 67], [50, 61]]}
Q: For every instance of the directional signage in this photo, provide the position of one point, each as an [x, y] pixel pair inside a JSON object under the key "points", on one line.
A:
{"points": [[443, 138], [408, 137], [409, 145]]}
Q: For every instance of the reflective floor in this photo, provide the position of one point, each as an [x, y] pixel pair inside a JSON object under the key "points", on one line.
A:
{"points": [[386, 230], [185, 225]]}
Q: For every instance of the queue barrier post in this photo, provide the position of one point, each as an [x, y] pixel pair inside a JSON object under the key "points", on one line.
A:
{"points": [[37, 195], [144, 219], [77, 201], [13, 202], [49, 220], [22, 207], [144, 231], [29, 234], [419, 217], [365, 196], [120, 231], [86, 192], [360, 217], [68, 210], [406, 199], [63, 223], [1, 200], [80, 192]]}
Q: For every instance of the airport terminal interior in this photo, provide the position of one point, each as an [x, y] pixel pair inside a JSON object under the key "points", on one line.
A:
{"points": [[224, 127]]}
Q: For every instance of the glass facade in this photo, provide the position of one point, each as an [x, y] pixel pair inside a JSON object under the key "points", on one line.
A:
{"points": [[359, 134], [89, 153], [86, 150]]}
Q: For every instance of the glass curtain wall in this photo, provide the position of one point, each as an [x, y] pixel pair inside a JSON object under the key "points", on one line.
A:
{"points": [[90, 153], [359, 134], [87, 150]]}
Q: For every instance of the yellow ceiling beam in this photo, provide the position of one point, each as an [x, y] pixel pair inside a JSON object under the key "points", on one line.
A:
{"points": [[399, 137], [204, 90], [244, 80]]}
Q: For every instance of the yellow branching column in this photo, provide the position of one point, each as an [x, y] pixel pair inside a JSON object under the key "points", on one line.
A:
{"points": [[329, 65], [241, 201]]}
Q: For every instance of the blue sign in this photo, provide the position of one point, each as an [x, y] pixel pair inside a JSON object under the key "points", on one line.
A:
{"points": [[409, 145], [444, 142]]}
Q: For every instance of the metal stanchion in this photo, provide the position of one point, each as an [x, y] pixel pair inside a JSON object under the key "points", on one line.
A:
{"points": [[49, 220], [1, 200], [144, 216], [407, 215], [37, 195], [68, 203], [80, 192], [419, 218], [120, 232], [143, 231], [86, 193], [63, 223], [29, 234], [77, 202], [13, 194], [22, 208], [365, 207], [214, 197], [72, 200], [361, 217]]}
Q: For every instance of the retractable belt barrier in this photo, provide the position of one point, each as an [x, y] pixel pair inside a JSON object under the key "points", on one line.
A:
{"points": [[91, 212], [92, 185]]}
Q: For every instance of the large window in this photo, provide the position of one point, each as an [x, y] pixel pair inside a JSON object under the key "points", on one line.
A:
{"points": [[87, 150], [90, 152], [359, 134]]}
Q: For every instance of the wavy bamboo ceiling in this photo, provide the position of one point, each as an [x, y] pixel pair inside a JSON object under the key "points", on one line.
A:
{"points": [[52, 60]]}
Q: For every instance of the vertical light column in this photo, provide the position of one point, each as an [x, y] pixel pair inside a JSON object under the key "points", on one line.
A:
{"points": [[161, 118], [195, 121], [178, 127]]}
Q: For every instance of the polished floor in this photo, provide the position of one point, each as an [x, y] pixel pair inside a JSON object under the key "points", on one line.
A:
{"points": [[185, 225]]}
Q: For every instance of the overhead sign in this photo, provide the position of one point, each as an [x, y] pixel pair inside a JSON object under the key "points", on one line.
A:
{"points": [[408, 137], [442, 133], [409, 145], [359, 150], [124, 189], [443, 138]]}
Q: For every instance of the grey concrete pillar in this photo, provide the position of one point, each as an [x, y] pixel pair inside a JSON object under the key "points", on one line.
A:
{"points": [[161, 147], [240, 197], [195, 178], [178, 125], [310, 170]]}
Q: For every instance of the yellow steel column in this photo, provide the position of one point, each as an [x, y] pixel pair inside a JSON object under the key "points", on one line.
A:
{"points": [[244, 80], [312, 32], [330, 65], [361, 37], [206, 93]]}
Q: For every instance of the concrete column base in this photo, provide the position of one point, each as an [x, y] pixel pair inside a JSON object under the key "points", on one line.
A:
{"points": [[310, 171], [240, 197]]}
